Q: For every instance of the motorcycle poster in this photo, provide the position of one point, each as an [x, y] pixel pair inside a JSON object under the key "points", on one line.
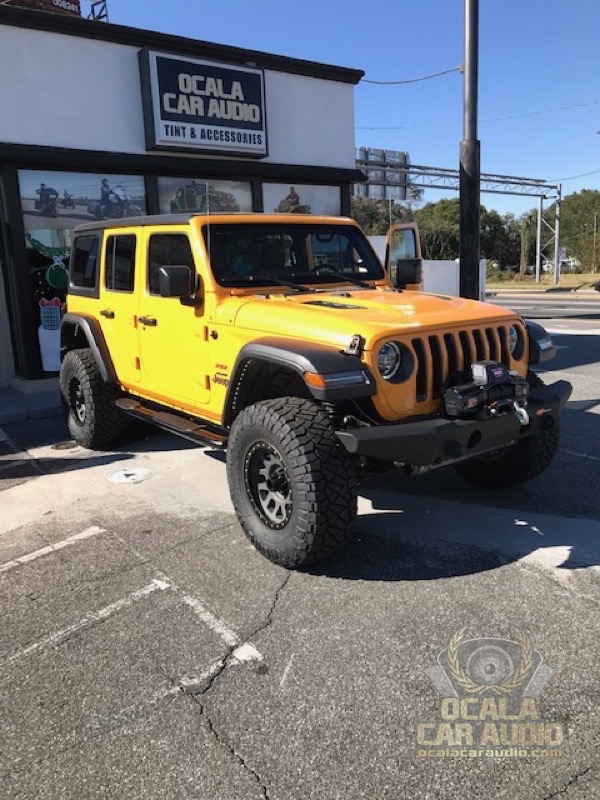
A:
{"points": [[52, 204]]}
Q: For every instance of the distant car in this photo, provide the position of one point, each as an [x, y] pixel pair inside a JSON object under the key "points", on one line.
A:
{"points": [[596, 286]]}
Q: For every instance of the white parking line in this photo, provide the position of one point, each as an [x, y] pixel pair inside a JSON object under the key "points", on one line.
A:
{"points": [[90, 619], [216, 625], [581, 455], [94, 530]]}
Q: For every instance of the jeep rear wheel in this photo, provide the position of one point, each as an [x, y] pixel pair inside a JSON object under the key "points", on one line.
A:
{"points": [[291, 482], [92, 417]]}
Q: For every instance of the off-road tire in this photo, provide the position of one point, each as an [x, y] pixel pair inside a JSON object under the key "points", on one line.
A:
{"points": [[316, 474], [520, 463], [92, 417]]}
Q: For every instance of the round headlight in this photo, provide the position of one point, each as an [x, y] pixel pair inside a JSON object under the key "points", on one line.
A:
{"points": [[513, 339], [389, 359]]}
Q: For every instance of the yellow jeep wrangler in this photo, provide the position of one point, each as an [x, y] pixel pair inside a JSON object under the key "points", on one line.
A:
{"points": [[283, 338]]}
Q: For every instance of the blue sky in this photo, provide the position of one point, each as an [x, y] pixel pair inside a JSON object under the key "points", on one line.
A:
{"points": [[539, 111]]}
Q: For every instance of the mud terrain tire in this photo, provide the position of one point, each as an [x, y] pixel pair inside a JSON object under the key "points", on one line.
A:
{"points": [[291, 482]]}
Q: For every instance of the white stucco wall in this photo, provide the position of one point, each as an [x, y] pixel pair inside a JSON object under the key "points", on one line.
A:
{"points": [[66, 91]]}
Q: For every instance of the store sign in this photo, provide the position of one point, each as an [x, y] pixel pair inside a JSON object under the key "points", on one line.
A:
{"points": [[202, 106], [71, 7]]}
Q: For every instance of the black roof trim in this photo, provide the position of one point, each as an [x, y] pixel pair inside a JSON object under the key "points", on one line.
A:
{"points": [[179, 45], [42, 157]]}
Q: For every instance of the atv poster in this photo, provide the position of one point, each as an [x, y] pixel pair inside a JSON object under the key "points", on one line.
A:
{"points": [[53, 203], [282, 198]]}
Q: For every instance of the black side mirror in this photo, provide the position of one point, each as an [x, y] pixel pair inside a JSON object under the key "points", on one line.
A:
{"points": [[406, 271], [176, 281]]}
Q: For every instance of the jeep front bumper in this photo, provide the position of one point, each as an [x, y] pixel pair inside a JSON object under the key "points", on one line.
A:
{"points": [[439, 440]]}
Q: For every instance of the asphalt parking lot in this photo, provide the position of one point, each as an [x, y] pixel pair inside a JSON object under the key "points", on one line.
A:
{"points": [[147, 650]]}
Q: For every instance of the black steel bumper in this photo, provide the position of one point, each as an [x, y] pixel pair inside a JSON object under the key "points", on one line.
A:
{"points": [[438, 440]]}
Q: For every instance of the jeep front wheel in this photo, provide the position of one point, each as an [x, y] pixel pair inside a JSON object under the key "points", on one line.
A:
{"points": [[522, 462], [291, 482], [92, 417]]}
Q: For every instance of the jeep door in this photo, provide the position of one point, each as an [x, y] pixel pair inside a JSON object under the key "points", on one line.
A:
{"points": [[173, 337], [118, 304]]}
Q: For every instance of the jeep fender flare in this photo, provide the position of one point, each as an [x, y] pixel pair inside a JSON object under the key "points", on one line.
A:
{"points": [[541, 346], [345, 376], [77, 330]]}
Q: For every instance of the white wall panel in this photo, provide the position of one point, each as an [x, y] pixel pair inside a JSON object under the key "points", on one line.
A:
{"points": [[67, 91]]}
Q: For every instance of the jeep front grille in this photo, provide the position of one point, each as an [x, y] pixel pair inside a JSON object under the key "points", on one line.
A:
{"points": [[440, 356]]}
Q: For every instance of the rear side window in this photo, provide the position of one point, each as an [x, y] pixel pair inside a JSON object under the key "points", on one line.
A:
{"points": [[84, 262], [120, 263], [167, 250]]}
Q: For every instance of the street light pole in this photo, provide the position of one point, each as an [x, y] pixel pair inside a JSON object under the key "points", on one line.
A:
{"points": [[470, 237]]}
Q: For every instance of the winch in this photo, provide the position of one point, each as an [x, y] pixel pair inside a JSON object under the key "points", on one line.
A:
{"points": [[493, 390]]}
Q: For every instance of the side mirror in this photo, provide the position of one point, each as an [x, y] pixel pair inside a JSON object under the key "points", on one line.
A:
{"points": [[405, 272], [176, 281], [181, 282]]}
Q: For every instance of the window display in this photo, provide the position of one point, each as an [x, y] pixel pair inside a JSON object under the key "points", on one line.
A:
{"points": [[53, 203], [285, 199], [181, 195]]}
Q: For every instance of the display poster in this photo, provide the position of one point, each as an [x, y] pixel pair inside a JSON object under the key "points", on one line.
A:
{"points": [[185, 195], [284, 198], [53, 203]]}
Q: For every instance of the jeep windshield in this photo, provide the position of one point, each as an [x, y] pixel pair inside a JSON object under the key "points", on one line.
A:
{"points": [[244, 255]]}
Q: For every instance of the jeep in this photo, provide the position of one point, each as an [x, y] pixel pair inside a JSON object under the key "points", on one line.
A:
{"points": [[283, 339]]}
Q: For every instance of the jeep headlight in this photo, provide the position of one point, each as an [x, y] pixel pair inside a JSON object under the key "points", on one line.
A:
{"points": [[513, 339], [389, 360]]}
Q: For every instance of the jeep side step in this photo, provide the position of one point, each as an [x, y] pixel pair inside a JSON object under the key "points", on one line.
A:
{"points": [[172, 422]]}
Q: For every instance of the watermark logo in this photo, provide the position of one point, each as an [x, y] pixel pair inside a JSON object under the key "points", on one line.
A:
{"points": [[489, 689]]}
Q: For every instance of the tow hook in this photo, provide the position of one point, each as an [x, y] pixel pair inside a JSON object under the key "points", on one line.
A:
{"points": [[521, 413], [518, 410]]}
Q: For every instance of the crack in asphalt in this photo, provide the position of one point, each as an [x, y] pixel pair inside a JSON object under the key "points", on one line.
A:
{"points": [[569, 783], [197, 695]]}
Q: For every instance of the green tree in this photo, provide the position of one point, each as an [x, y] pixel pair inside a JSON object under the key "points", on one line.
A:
{"points": [[373, 216]]}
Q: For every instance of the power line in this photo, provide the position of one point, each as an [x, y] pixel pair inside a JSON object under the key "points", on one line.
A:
{"points": [[488, 119], [573, 177], [413, 80]]}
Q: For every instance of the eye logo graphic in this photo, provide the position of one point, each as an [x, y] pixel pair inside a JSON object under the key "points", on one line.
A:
{"points": [[488, 663], [488, 689]]}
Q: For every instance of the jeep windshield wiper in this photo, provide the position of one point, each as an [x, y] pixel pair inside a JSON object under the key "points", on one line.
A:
{"points": [[343, 276], [262, 279]]}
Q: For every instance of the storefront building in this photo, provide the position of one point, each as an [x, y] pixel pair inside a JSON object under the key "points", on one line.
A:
{"points": [[100, 121]]}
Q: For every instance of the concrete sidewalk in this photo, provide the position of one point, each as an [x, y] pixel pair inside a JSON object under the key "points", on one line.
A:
{"points": [[17, 406]]}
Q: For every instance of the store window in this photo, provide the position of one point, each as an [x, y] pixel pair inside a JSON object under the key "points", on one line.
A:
{"points": [[282, 198], [184, 195], [53, 203]]}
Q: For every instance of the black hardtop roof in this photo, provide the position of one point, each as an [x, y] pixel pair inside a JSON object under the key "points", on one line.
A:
{"points": [[183, 219]]}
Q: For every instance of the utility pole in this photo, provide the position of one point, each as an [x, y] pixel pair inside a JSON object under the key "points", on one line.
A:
{"points": [[594, 248], [470, 237]]}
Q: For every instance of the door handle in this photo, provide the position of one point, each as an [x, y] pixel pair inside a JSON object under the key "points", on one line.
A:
{"points": [[149, 321], [106, 312]]}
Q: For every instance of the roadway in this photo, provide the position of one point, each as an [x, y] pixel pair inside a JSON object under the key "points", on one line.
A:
{"points": [[147, 650]]}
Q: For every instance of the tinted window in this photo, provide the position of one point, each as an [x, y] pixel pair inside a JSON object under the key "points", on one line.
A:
{"points": [[84, 262], [167, 250], [244, 254], [120, 263]]}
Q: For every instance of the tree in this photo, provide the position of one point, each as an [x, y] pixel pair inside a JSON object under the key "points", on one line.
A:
{"points": [[439, 224], [373, 216]]}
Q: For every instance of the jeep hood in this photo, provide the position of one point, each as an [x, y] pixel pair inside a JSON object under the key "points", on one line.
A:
{"points": [[335, 316]]}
